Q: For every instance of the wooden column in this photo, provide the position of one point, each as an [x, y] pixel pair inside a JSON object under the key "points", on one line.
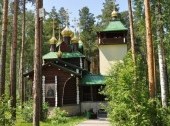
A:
{"points": [[81, 63], [43, 89], [77, 89], [56, 98], [91, 92]]}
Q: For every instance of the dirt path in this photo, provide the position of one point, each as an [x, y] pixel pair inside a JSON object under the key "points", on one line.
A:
{"points": [[95, 122]]}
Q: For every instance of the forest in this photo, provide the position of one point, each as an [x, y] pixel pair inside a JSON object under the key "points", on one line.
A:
{"points": [[137, 89]]}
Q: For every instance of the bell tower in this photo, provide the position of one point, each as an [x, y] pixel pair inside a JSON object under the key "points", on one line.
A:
{"points": [[112, 44]]}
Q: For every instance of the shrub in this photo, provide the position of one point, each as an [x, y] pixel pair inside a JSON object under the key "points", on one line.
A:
{"points": [[45, 111], [27, 112], [5, 112], [129, 103], [60, 116]]}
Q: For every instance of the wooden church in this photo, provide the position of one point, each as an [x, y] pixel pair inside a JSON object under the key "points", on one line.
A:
{"points": [[66, 80]]}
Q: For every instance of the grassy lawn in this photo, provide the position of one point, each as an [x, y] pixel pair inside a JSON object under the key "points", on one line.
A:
{"points": [[73, 121]]}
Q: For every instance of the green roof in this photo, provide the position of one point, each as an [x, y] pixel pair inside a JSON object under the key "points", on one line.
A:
{"points": [[92, 79], [115, 26], [53, 55]]}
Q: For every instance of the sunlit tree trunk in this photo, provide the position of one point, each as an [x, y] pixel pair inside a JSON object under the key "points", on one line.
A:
{"points": [[161, 57], [13, 60], [36, 84], [3, 47], [131, 30], [21, 79], [149, 44]]}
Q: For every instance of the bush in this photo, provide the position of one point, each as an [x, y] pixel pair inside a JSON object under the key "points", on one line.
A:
{"points": [[5, 112], [60, 116], [27, 112], [45, 111], [129, 103]]}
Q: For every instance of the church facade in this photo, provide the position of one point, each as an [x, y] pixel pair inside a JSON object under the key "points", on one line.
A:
{"points": [[66, 80]]}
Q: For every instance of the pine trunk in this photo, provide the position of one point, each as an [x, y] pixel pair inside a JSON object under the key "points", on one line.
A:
{"points": [[149, 44], [13, 60], [36, 84], [162, 62], [131, 30], [21, 79], [3, 47]]}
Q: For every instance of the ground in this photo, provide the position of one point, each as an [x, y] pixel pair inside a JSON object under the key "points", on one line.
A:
{"points": [[95, 122]]}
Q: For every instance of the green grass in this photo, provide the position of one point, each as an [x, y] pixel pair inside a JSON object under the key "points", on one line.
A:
{"points": [[73, 121]]}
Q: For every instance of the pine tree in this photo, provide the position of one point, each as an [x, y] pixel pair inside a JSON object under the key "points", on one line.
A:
{"points": [[13, 60], [37, 72], [161, 58], [21, 78], [3, 47], [131, 30], [150, 54]]}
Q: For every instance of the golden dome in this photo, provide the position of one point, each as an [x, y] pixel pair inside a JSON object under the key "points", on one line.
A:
{"points": [[75, 39], [53, 40], [66, 32], [59, 41], [59, 54], [72, 35], [114, 13], [80, 44]]}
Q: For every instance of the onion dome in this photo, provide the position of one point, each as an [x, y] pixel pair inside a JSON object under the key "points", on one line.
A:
{"points": [[114, 14], [75, 39], [66, 32], [59, 53], [59, 41], [72, 35], [53, 40], [80, 44]]}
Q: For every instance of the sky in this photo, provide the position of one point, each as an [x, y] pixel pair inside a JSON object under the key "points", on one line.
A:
{"points": [[74, 6]]}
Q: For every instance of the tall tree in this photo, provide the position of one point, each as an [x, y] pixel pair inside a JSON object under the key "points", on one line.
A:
{"points": [[88, 34], [1, 2], [63, 17], [149, 44], [13, 59], [131, 30], [108, 6], [21, 79], [41, 40], [3, 47], [36, 84], [161, 57]]}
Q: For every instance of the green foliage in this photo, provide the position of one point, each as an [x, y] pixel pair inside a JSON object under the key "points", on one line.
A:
{"points": [[88, 34], [73, 121], [108, 6], [5, 112], [60, 116], [27, 111], [127, 92], [45, 110]]}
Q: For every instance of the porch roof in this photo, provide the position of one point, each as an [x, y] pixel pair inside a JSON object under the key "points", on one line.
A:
{"points": [[92, 79]]}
